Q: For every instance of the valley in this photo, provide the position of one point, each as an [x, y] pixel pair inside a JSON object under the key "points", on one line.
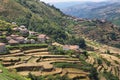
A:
{"points": [[39, 42], [108, 10]]}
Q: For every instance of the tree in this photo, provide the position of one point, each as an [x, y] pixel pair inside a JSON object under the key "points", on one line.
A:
{"points": [[81, 43]]}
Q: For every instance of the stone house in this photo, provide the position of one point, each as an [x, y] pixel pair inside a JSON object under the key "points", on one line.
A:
{"points": [[26, 40], [13, 42], [2, 48], [22, 27], [32, 41], [24, 32], [42, 38], [14, 36], [57, 44], [16, 29], [32, 33], [8, 38], [20, 39], [13, 23], [71, 47]]}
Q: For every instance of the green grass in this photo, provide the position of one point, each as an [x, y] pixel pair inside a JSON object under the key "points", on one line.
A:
{"points": [[82, 66], [66, 65], [6, 75], [110, 76]]}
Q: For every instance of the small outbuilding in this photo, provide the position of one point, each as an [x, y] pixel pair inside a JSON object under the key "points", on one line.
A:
{"points": [[71, 47], [2, 48]]}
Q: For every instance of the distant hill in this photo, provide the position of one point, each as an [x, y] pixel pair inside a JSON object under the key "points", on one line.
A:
{"points": [[103, 10], [62, 5]]}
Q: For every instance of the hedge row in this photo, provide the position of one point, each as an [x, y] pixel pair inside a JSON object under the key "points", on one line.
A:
{"points": [[27, 46]]}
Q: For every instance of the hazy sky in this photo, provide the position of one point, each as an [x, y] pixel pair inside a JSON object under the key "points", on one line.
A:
{"points": [[53, 1]]}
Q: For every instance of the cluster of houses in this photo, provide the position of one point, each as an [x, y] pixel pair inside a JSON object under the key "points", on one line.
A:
{"points": [[15, 39]]}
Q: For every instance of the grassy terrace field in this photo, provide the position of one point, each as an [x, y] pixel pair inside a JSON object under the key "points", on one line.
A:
{"points": [[39, 62], [8, 75]]}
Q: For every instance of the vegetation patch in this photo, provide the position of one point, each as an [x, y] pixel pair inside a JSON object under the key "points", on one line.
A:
{"points": [[27, 46], [6, 75]]}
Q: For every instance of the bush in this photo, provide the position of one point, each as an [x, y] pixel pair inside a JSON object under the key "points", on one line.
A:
{"points": [[66, 65], [49, 77], [108, 52], [77, 41], [110, 76]]}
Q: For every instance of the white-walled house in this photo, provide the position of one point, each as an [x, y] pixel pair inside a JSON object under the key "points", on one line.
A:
{"points": [[24, 31], [32, 41], [22, 27]]}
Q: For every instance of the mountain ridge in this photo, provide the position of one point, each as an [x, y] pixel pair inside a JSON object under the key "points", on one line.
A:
{"points": [[102, 10]]}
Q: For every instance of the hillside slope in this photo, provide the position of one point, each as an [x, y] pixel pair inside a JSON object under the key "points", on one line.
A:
{"points": [[25, 11], [102, 32], [36, 16], [10, 75]]}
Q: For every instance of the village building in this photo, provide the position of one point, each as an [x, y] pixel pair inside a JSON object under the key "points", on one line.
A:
{"points": [[42, 38], [103, 21], [71, 47], [32, 33], [13, 42], [20, 39], [16, 29], [24, 32], [14, 36], [57, 44], [2, 48], [8, 38], [26, 41], [13, 23], [22, 27], [0, 33], [32, 41]]}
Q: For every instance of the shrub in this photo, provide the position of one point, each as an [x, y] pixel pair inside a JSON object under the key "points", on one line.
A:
{"points": [[110, 76]]}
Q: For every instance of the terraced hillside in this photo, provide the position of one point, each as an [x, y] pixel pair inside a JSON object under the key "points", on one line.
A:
{"points": [[104, 61], [40, 62]]}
